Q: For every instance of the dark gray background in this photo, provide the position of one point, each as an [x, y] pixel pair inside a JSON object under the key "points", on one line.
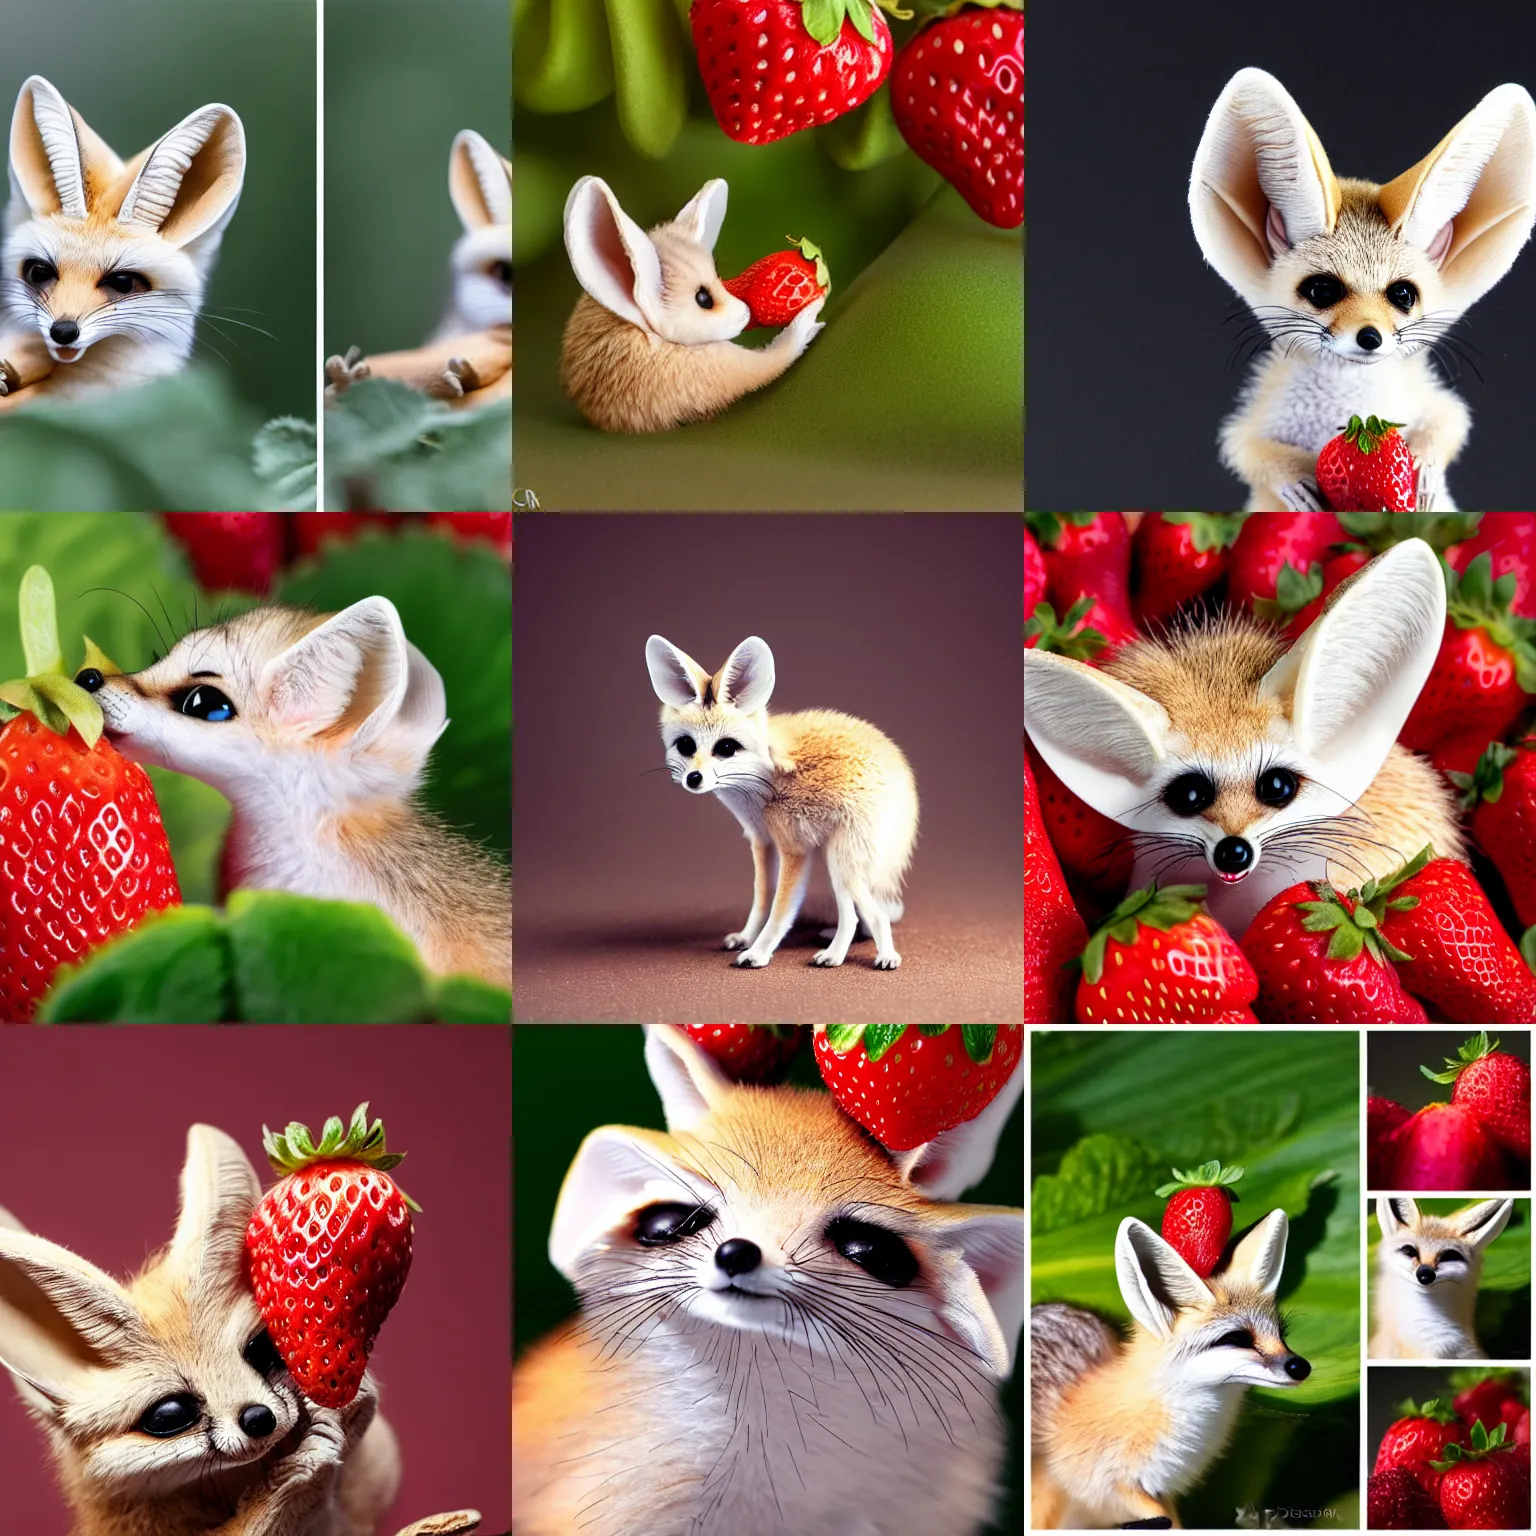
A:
{"points": [[1393, 1058], [1125, 317]]}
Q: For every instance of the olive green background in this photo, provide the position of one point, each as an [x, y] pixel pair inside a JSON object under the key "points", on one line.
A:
{"points": [[568, 1079]]}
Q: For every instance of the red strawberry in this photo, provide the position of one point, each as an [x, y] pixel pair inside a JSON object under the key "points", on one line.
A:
{"points": [[774, 67], [1485, 1486], [1087, 631], [1495, 1400], [1054, 934], [83, 851], [1179, 555], [1197, 1221], [1300, 597], [1382, 1117], [750, 1053], [1161, 958], [1418, 1438], [1088, 554], [905, 1083], [1500, 791], [1394, 1501], [1444, 1147], [1367, 468], [1318, 964], [493, 528], [310, 530], [1495, 1086], [1523, 1429], [777, 287], [329, 1248], [1455, 953], [1269, 543], [957, 93], [1034, 574], [232, 551], [1460, 754], [1510, 538], [1485, 672], [1094, 848]]}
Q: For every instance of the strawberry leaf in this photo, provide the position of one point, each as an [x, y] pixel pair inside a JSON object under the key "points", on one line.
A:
{"points": [[980, 1039], [843, 1037], [1528, 947], [1293, 591], [40, 624], [879, 1038]]}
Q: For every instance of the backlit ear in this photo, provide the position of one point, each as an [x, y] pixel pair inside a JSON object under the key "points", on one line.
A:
{"points": [[701, 218], [1395, 1213], [947, 1166], [1101, 738], [187, 184], [1259, 1258], [58, 165], [691, 1085], [1350, 681], [1260, 183], [1155, 1282], [1470, 203], [1479, 1224], [612, 257], [219, 1190], [479, 182], [677, 678], [745, 682], [983, 1295]]}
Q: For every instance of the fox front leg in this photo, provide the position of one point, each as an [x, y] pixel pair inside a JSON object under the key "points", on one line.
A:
{"points": [[1280, 476], [762, 894], [342, 372], [24, 360], [1435, 444], [794, 868], [1148, 1514]]}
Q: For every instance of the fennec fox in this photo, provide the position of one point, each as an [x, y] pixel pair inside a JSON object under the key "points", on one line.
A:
{"points": [[104, 266], [316, 728], [812, 780], [1427, 1270], [784, 1329], [1353, 285], [166, 1407], [1120, 1430], [1223, 752]]}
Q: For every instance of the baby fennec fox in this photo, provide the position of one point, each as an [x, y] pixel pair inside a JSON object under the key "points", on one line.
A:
{"points": [[785, 1329], [167, 1410], [812, 780], [1120, 1429], [317, 728]]}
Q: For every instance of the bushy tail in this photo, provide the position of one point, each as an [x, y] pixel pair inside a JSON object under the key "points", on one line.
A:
{"points": [[1065, 1343]]}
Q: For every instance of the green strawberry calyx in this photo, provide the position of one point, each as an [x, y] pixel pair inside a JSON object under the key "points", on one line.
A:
{"points": [[941, 10], [1293, 591], [1470, 1051], [1152, 907], [1049, 526], [1528, 948], [1438, 1409], [357, 1141], [1376, 532], [48, 691], [823, 19], [812, 253], [1207, 1176], [1361, 928], [1482, 1444], [1370, 434], [1474, 600], [1486, 781], [1067, 636], [1209, 530], [979, 1039]]}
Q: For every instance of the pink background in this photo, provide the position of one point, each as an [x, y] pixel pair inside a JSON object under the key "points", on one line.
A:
{"points": [[93, 1125]]}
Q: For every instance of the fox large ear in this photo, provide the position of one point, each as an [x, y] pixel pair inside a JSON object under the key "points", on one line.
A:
{"points": [[1479, 1224], [219, 1190], [58, 165], [688, 1079], [1261, 182], [187, 184], [479, 182], [1350, 681], [1100, 737], [612, 257], [1259, 1259], [701, 218], [1470, 203], [1395, 1213], [1155, 1282], [947, 1166], [745, 682], [983, 1296], [677, 678]]}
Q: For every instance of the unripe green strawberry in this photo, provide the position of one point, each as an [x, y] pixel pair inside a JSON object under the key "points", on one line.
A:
{"points": [[1197, 1221]]}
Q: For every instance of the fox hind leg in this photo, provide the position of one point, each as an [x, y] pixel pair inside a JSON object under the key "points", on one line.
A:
{"points": [[847, 919]]}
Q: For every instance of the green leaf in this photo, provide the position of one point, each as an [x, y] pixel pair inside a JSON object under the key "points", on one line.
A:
{"points": [[843, 1037], [39, 623], [879, 1038], [285, 459], [78, 707], [980, 1041], [823, 19], [467, 1000]]}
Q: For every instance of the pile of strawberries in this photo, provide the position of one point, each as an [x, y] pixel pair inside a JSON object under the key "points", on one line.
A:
{"points": [[1462, 1465], [1481, 1139], [1435, 939]]}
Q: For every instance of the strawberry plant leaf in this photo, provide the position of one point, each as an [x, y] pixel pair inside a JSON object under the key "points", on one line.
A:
{"points": [[980, 1040], [39, 623], [879, 1038], [823, 19], [74, 703], [843, 1037], [1528, 947]]}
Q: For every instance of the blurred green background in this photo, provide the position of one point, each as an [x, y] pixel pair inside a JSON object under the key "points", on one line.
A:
{"points": [[1113, 1114], [568, 1079]]}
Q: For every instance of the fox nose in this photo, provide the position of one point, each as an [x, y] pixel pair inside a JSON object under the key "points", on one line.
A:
{"points": [[89, 679], [1368, 337], [694, 779], [737, 1255], [1297, 1368], [257, 1422], [1233, 855], [1425, 1275], [65, 332]]}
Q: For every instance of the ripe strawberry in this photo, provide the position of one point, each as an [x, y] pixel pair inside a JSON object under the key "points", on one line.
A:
{"points": [[773, 67], [750, 1053], [1301, 596], [1444, 1147], [1382, 1117], [232, 551], [493, 528], [1088, 554], [905, 1083], [1090, 846], [1495, 1086], [1318, 963], [1522, 1429], [1460, 754], [1267, 544], [777, 287], [1484, 1484], [329, 1248], [1419, 1438], [1510, 538], [1367, 468], [1485, 672], [83, 851], [311, 530], [1161, 958], [1495, 1400], [1500, 791], [1394, 1501], [1087, 631], [1034, 574], [1197, 1221], [1179, 555], [957, 93], [1054, 934]]}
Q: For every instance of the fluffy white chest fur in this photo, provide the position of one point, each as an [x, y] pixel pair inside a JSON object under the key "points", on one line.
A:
{"points": [[1417, 1322]]}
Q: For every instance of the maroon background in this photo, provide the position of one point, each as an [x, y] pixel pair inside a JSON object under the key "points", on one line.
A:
{"points": [[626, 884], [93, 1126]]}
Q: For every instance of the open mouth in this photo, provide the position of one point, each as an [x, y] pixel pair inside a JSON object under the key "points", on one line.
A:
{"points": [[65, 354], [1226, 879]]}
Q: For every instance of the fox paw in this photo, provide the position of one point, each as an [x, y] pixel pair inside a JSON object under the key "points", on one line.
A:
{"points": [[459, 1523], [888, 961], [10, 380], [1431, 488], [459, 378], [827, 957], [1301, 496], [342, 372], [753, 959], [737, 940]]}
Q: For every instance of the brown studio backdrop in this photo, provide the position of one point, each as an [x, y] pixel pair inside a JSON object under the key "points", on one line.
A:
{"points": [[625, 880], [93, 1127]]}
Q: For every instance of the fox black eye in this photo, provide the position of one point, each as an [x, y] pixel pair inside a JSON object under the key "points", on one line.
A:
{"points": [[204, 703], [880, 1254], [725, 747], [704, 299], [262, 1356], [1239, 1338], [171, 1416], [670, 1222], [502, 272], [1402, 295], [1320, 290], [38, 272], [1276, 786], [1408, 1251], [686, 745], [124, 282], [1189, 794]]}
